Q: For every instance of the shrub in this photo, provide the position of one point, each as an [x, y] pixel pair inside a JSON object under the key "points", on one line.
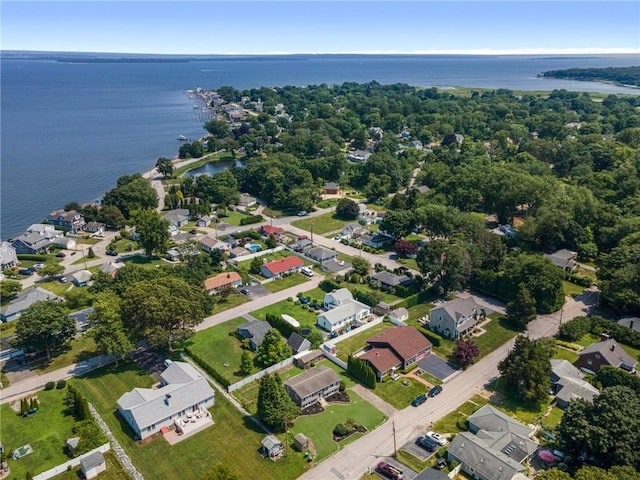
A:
{"points": [[50, 385], [251, 219], [61, 384], [463, 424], [433, 338], [343, 386], [340, 430]]}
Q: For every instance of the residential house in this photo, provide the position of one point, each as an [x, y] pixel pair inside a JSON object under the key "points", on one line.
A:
{"points": [[417, 144], [352, 230], [177, 218], [111, 268], [71, 220], [309, 387], [306, 359], [31, 242], [494, 448], [8, 256], [46, 230], [65, 242], [81, 278], [336, 298], [399, 315], [254, 330], [344, 316], [208, 243], [23, 301], [272, 447], [377, 240], [359, 156], [389, 280], [605, 352], [97, 228], [282, 266], [432, 474], [298, 343], [454, 318], [331, 188], [422, 188], [173, 255], [567, 383], [183, 391], [268, 230], [247, 200], [238, 252], [222, 281], [376, 133], [395, 349], [93, 465], [382, 309], [564, 259], [204, 221], [321, 255], [630, 322], [301, 245]]}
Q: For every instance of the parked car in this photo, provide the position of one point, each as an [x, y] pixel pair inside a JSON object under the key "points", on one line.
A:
{"points": [[419, 400], [25, 271], [302, 213], [304, 300], [37, 266], [435, 391], [389, 471], [112, 253], [306, 271], [61, 255], [73, 253], [440, 464], [428, 444], [436, 437], [245, 291], [63, 280]]}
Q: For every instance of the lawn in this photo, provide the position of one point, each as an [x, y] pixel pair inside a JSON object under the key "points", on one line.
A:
{"points": [[395, 393], [449, 423], [80, 348], [219, 348], [514, 405], [572, 289], [233, 218], [322, 223], [248, 395], [55, 287], [358, 341], [552, 420], [319, 427], [114, 470], [565, 354], [233, 440], [88, 241], [144, 260], [285, 282], [125, 245], [46, 431], [412, 462], [231, 301], [83, 259], [307, 318], [498, 332]]}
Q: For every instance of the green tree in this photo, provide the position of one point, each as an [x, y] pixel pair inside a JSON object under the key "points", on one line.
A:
{"points": [[273, 349], [315, 338], [107, 328], [50, 270], [553, 474], [91, 436], [43, 326], [271, 242], [522, 309], [91, 253], [360, 265], [255, 265], [164, 167], [397, 223], [111, 216], [620, 277], [220, 472], [9, 289], [275, 407], [347, 209], [527, 369], [133, 192], [542, 278], [153, 230], [447, 265], [246, 363]]}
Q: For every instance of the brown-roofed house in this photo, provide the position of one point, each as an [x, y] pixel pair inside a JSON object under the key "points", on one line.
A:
{"points": [[396, 349], [605, 352], [222, 281], [312, 385]]}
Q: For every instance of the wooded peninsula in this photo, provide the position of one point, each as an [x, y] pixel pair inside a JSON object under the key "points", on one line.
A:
{"points": [[626, 76]]}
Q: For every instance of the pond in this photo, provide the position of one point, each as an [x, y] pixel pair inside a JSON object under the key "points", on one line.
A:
{"points": [[215, 167]]}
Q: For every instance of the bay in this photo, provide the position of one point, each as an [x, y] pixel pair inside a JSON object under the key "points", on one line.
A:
{"points": [[71, 128]]}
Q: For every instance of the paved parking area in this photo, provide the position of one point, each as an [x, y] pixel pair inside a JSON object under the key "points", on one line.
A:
{"points": [[417, 451], [256, 291], [408, 473], [437, 367]]}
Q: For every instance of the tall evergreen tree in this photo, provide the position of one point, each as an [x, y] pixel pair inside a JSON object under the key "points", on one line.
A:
{"points": [[527, 369], [275, 407]]}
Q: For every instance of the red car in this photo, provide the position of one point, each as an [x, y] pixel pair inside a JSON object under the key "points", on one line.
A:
{"points": [[389, 471]]}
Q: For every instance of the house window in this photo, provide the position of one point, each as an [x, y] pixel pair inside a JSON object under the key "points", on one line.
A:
{"points": [[598, 356], [589, 361]]}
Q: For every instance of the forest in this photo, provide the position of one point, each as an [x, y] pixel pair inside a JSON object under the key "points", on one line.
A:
{"points": [[617, 75]]}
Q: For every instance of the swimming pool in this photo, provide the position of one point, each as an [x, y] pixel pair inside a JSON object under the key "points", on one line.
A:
{"points": [[253, 247]]}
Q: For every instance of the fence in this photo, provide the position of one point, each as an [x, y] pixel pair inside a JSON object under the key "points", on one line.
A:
{"points": [[260, 374], [355, 331], [260, 253], [74, 462]]}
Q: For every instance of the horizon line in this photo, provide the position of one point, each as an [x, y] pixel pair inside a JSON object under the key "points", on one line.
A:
{"points": [[476, 52]]}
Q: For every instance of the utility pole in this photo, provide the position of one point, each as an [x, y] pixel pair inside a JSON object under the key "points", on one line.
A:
{"points": [[312, 233], [395, 448]]}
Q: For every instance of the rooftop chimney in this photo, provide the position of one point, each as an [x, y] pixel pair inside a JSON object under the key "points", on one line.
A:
{"points": [[613, 347], [167, 399]]}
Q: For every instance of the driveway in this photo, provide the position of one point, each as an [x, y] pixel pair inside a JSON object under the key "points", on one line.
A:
{"points": [[414, 449], [408, 473], [435, 366]]}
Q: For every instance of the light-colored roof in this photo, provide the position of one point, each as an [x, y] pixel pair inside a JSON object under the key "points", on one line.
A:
{"points": [[489, 463], [612, 353], [313, 380], [399, 313], [26, 299], [564, 368], [81, 276], [271, 441], [111, 267], [458, 308], [213, 242], [572, 388], [340, 296], [221, 280], [322, 253], [347, 309], [92, 461]]}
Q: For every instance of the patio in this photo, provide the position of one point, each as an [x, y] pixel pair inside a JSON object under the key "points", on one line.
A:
{"points": [[188, 425]]}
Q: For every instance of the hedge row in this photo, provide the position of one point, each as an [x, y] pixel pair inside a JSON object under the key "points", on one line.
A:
{"points": [[423, 297], [575, 329], [77, 402], [280, 324], [251, 219], [579, 280], [433, 338], [217, 376], [32, 256], [361, 371]]}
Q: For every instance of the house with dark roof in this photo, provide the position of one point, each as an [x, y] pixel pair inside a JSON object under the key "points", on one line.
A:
{"points": [[321, 255], [301, 245], [183, 391], [454, 318], [282, 266], [31, 242], [605, 352], [389, 280], [71, 220], [222, 281], [23, 301], [8, 256], [494, 448], [395, 349], [254, 330], [96, 227], [630, 322], [298, 343], [177, 218], [309, 387], [564, 259], [571, 388], [331, 188]]}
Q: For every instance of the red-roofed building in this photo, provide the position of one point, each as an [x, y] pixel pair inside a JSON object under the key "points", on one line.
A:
{"points": [[222, 281], [267, 230], [396, 349], [279, 267]]}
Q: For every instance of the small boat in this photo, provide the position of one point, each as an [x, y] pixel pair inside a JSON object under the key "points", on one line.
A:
{"points": [[182, 138]]}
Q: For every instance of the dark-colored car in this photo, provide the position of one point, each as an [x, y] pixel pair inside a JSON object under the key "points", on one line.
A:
{"points": [[435, 391], [61, 255], [389, 471], [25, 271], [112, 253], [245, 291], [419, 400], [428, 444]]}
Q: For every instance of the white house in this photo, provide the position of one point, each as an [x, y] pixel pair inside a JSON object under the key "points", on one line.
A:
{"points": [[343, 316], [208, 243], [454, 318], [399, 315], [336, 298], [8, 256], [183, 391]]}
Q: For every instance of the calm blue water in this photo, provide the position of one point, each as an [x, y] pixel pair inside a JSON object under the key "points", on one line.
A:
{"points": [[69, 130]]}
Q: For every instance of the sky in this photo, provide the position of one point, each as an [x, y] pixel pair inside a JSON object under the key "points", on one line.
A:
{"points": [[324, 26]]}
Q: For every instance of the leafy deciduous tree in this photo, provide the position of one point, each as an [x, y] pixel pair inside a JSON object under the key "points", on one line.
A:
{"points": [[273, 349]]}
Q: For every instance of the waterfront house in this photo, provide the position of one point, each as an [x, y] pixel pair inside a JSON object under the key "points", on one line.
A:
{"points": [[254, 330], [96, 228], [454, 318], [280, 267], [605, 352], [8, 256], [32, 243], [222, 281], [23, 301], [71, 220], [311, 386], [344, 316], [397, 348], [183, 391]]}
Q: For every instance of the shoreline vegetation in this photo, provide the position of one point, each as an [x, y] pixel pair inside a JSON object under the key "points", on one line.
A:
{"points": [[622, 76]]}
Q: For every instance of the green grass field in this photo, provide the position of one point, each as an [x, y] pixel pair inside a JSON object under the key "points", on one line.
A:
{"points": [[248, 395], [307, 318], [498, 332], [565, 353], [285, 282], [552, 420], [359, 341], [321, 224], [398, 395], [81, 348], [233, 440], [572, 289], [46, 431]]}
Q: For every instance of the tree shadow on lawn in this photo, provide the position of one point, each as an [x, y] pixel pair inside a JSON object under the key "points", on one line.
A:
{"points": [[252, 423], [112, 368]]}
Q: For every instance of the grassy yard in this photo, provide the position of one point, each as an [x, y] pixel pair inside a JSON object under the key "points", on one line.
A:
{"points": [[233, 300], [125, 245], [248, 395], [82, 260], [218, 347], [410, 263], [395, 393], [55, 287], [412, 462], [498, 332], [307, 318], [358, 341], [114, 470], [144, 261], [321, 224], [572, 289], [565, 354], [81, 348], [285, 282], [46, 431], [524, 411], [233, 218], [88, 241], [449, 423], [553, 419], [233, 440]]}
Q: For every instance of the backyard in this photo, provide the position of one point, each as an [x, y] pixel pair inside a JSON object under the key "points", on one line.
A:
{"points": [[306, 318], [359, 341], [233, 440], [322, 223]]}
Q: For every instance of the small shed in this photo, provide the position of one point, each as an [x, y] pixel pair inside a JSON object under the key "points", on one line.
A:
{"points": [[92, 465], [382, 309], [272, 447], [301, 442], [72, 444]]}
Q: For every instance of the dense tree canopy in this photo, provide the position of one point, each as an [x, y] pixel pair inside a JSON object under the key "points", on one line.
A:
{"points": [[152, 229], [133, 192], [275, 407]]}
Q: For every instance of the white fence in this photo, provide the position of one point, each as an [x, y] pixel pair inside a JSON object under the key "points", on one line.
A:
{"points": [[74, 462], [260, 253], [260, 374], [355, 331]]}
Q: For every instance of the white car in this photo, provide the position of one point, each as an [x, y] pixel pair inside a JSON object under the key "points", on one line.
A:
{"points": [[307, 271], [436, 437]]}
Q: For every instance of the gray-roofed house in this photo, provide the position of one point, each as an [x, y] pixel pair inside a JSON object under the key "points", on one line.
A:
{"points": [[71, 220], [344, 316], [92, 465], [204, 221], [208, 243], [570, 388], [309, 387], [247, 200], [31, 242], [81, 278], [352, 230], [630, 322], [336, 298], [454, 318], [298, 343], [177, 218], [254, 330], [111, 268], [184, 390], [432, 474], [389, 280], [399, 315], [301, 245], [564, 259], [321, 255], [272, 447], [563, 368], [8, 256], [23, 301], [495, 446], [605, 352]]}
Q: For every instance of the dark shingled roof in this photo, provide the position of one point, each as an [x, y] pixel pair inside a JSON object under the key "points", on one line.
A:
{"points": [[405, 341]]}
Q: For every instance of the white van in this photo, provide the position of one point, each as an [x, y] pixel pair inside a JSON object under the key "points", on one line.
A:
{"points": [[307, 271]]}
